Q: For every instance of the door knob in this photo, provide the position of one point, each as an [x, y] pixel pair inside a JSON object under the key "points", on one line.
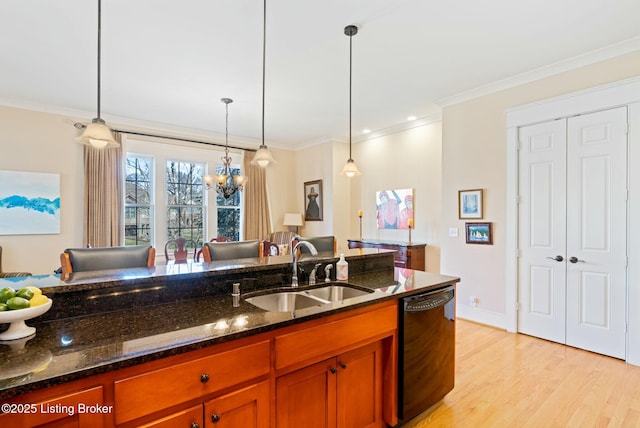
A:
{"points": [[575, 260], [557, 258]]}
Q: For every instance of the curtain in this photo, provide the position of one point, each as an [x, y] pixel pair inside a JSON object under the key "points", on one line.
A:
{"points": [[257, 219], [103, 195]]}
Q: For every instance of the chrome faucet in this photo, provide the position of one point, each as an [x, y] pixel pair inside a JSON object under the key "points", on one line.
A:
{"points": [[312, 275], [294, 259]]}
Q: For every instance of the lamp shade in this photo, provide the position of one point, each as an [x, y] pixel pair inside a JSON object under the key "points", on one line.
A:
{"points": [[350, 169], [98, 135], [263, 157], [292, 219]]}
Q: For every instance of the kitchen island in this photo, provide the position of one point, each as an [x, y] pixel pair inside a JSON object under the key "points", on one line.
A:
{"points": [[128, 343]]}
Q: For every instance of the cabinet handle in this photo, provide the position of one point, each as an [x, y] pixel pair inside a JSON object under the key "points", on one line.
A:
{"points": [[195, 425], [215, 418], [204, 378], [333, 370], [343, 365]]}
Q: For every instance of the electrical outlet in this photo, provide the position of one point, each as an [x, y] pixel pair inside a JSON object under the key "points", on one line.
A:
{"points": [[473, 301], [453, 232]]}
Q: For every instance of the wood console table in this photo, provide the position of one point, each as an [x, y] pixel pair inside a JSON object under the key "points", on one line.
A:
{"points": [[409, 256]]}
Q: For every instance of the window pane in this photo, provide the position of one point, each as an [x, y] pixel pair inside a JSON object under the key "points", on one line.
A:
{"points": [[138, 199], [185, 195]]}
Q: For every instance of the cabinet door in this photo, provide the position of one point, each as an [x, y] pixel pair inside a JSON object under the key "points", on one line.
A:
{"points": [[307, 397], [246, 408], [65, 411], [360, 387], [189, 418]]}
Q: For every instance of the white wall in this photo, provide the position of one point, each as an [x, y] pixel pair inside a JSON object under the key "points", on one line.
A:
{"points": [[44, 142], [404, 159], [40, 142], [474, 156]]}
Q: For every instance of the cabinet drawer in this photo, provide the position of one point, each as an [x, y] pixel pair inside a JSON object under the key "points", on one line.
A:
{"points": [[318, 341], [146, 393]]}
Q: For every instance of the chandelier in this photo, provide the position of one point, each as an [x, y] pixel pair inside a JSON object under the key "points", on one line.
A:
{"points": [[350, 169], [226, 183]]}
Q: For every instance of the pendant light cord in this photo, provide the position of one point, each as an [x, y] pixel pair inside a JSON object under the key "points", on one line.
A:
{"points": [[350, 73], [264, 55], [99, 49]]}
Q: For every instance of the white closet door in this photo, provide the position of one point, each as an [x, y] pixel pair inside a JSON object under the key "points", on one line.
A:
{"points": [[596, 232], [542, 233]]}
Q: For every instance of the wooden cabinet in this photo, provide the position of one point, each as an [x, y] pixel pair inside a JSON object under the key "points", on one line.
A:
{"points": [[74, 409], [153, 391], [408, 256], [336, 371], [346, 389], [246, 408], [343, 391]]}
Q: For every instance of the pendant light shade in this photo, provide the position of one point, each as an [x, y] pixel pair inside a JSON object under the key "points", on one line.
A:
{"points": [[350, 169], [97, 134], [263, 157]]}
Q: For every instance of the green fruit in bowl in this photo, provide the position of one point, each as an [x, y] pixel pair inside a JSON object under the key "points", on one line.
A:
{"points": [[15, 303], [25, 293], [3, 307], [6, 293]]}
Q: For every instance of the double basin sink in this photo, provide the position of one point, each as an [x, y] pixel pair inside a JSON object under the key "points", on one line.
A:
{"points": [[292, 299]]}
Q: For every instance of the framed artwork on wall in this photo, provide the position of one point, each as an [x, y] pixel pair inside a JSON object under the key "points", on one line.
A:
{"points": [[313, 200], [479, 233], [470, 204], [29, 203], [394, 208]]}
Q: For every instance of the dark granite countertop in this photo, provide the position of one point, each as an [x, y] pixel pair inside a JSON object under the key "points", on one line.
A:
{"points": [[67, 348]]}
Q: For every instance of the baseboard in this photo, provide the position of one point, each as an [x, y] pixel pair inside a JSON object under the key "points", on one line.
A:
{"points": [[481, 316]]}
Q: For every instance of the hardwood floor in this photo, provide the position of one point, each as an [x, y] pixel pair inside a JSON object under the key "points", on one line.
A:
{"points": [[512, 380]]}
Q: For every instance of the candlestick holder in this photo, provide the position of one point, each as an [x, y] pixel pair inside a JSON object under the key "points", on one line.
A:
{"points": [[360, 227], [410, 235]]}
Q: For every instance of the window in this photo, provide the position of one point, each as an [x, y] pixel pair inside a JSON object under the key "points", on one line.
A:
{"points": [[229, 211], [138, 204], [185, 200]]}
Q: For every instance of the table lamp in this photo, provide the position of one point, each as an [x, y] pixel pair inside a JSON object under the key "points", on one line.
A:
{"points": [[293, 220]]}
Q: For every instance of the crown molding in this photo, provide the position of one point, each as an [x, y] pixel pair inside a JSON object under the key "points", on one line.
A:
{"points": [[572, 63]]}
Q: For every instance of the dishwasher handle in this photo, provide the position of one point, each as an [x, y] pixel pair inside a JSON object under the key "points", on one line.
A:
{"points": [[428, 301]]}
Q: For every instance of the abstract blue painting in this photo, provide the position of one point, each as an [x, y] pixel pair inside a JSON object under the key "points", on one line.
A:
{"points": [[29, 203]]}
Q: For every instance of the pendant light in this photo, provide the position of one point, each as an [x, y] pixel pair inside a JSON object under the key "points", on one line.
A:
{"points": [[97, 134], [226, 183], [350, 169], [263, 156]]}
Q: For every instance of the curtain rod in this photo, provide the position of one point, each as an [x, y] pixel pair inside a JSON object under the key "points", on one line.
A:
{"points": [[186, 140]]}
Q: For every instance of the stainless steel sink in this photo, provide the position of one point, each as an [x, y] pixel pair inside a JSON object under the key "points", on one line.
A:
{"points": [[283, 301], [336, 293], [289, 300]]}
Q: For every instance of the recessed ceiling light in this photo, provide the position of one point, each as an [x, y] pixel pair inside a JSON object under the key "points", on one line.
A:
{"points": [[366, 131], [411, 118]]}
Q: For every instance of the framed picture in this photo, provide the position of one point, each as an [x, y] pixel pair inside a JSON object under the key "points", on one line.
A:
{"points": [[394, 208], [29, 203], [470, 203], [313, 200], [479, 233]]}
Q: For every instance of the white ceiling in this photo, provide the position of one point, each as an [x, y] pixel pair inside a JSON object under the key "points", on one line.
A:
{"points": [[166, 64]]}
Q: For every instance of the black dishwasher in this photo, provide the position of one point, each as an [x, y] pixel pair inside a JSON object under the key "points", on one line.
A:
{"points": [[426, 351]]}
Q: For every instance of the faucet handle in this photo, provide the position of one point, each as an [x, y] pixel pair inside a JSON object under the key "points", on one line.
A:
{"points": [[327, 272], [312, 275]]}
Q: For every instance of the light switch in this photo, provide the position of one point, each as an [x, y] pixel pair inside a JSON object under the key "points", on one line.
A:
{"points": [[453, 232]]}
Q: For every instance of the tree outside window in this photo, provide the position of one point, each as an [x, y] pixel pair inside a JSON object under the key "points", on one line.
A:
{"points": [[185, 200], [138, 210], [229, 211]]}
